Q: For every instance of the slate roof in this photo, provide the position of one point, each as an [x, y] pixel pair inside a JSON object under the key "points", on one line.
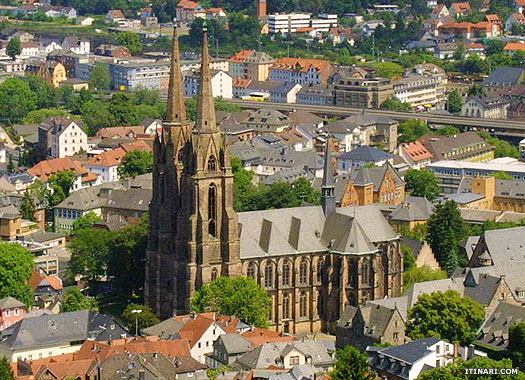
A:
{"points": [[376, 318], [375, 175], [293, 230], [366, 154], [235, 344], [412, 209], [439, 145], [10, 302], [283, 89], [358, 120], [136, 199], [58, 329], [167, 329], [270, 354], [494, 332], [484, 291], [412, 351], [504, 76], [288, 175], [87, 198]]}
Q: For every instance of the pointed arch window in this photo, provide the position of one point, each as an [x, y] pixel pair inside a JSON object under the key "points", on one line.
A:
{"points": [[286, 273], [214, 274], [303, 273], [286, 306], [320, 265], [366, 273], [212, 210], [180, 156], [251, 270], [268, 275], [212, 164], [303, 305]]}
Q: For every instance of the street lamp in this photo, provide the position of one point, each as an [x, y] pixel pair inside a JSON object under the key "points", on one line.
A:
{"points": [[136, 312]]}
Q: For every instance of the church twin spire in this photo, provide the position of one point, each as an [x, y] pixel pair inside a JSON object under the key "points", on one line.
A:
{"points": [[176, 111]]}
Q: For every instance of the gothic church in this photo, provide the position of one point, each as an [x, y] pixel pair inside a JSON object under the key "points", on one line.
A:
{"points": [[313, 261]]}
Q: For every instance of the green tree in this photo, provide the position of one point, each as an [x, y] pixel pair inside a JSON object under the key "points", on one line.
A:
{"points": [[10, 165], [502, 175], [454, 102], [46, 94], [445, 315], [421, 274], [60, 185], [142, 320], [394, 104], [351, 364], [516, 346], [135, 163], [38, 116], [16, 266], [95, 115], [100, 78], [89, 253], [446, 229], [17, 100], [448, 130], [502, 148], [239, 296], [457, 370], [214, 373], [131, 41], [14, 48], [123, 110], [411, 130], [74, 300], [6, 373], [476, 89], [85, 221], [422, 183], [409, 260], [388, 69], [27, 206], [127, 257]]}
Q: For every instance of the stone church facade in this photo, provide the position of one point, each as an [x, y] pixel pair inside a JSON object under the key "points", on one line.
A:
{"points": [[313, 261]]}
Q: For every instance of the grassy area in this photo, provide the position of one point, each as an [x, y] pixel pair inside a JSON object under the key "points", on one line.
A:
{"points": [[58, 28]]}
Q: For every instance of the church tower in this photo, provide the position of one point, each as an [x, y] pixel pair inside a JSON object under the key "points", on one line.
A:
{"points": [[194, 234], [328, 185]]}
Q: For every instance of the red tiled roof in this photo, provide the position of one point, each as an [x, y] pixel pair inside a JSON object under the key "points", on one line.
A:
{"points": [[116, 13], [108, 158], [493, 18], [258, 336], [460, 7], [101, 350], [514, 46], [519, 17], [240, 56], [520, 2], [305, 29], [303, 64], [122, 131], [241, 82], [416, 151], [45, 169]]}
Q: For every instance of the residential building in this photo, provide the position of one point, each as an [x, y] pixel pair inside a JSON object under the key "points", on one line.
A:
{"points": [[411, 359], [444, 50], [114, 15], [113, 51], [468, 146], [133, 76], [285, 93], [485, 106], [51, 335], [50, 71], [303, 71], [364, 129], [185, 10], [494, 332], [287, 355], [370, 325], [519, 6], [318, 94], [450, 173], [512, 47], [440, 11], [369, 92], [370, 27], [411, 212], [76, 45], [419, 91], [12, 225], [126, 206], [45, 169], [58, 11], [62, 137], [306, 238], [433, 71], [459, 9], [268, 121], [468, 30], [250, 64], [221, 82], [361, 156], [288, 23], [366, 186], [415, 154], [11, 312], [227, 349]]}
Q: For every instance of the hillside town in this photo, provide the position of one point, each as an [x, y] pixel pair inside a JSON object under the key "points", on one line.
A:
{"points": [[262, 190]]}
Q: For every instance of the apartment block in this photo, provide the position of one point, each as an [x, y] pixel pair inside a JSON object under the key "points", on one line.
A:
{"points": [[250, 64], [132, 76]]}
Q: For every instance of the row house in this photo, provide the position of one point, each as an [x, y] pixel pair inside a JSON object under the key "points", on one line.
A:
{"points": [[301, 70], [468, 30], [250, 64]]}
